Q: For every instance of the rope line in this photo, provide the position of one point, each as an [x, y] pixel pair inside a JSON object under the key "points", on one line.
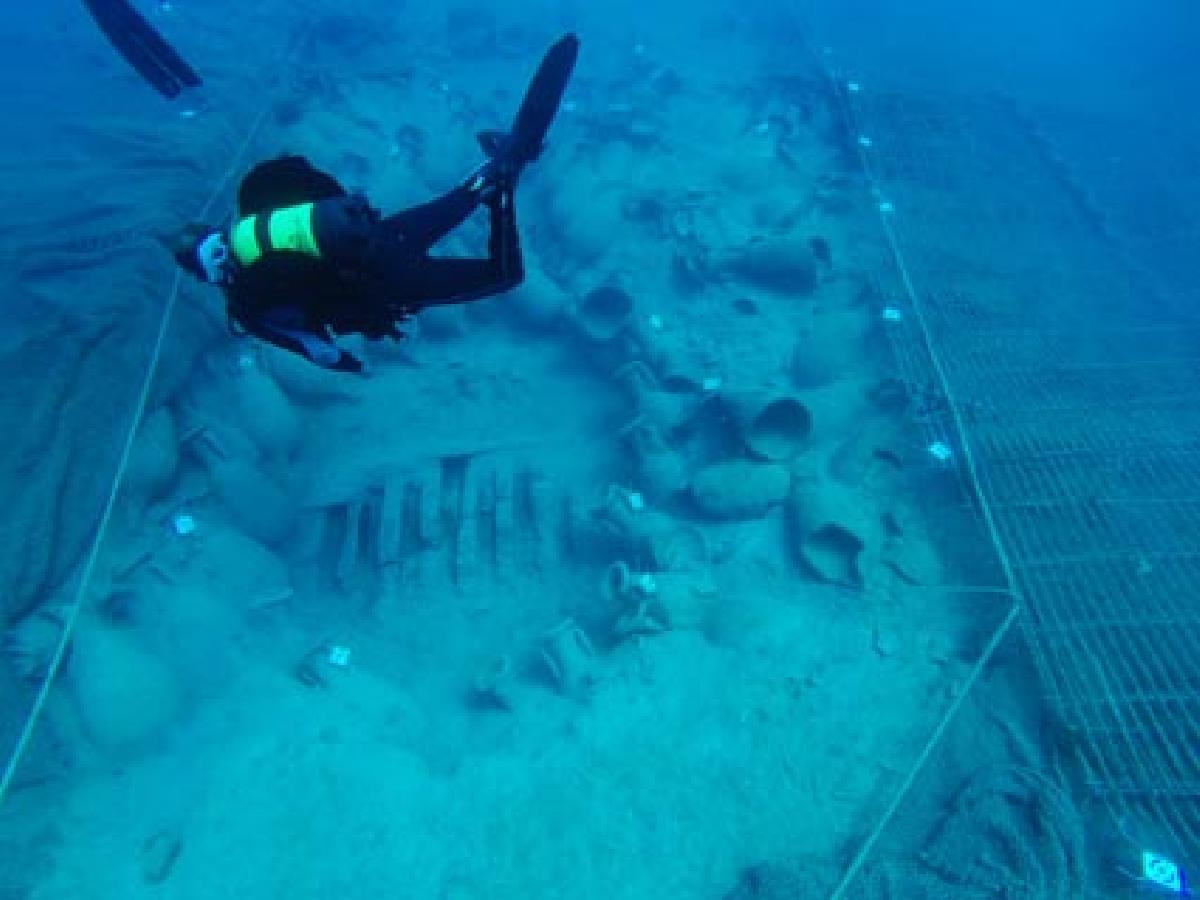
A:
{"points": [[971, 467], [864, 852]]}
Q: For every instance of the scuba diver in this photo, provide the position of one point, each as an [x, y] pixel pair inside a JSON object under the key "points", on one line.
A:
{"points": [[304, 258], [143, 47]]}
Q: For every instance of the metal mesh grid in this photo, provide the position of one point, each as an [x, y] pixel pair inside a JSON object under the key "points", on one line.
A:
{"points": [[1074, 364]]}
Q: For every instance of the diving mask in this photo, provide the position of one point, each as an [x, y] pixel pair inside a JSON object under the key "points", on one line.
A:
{"points": [[207, 257], [213, 260]]}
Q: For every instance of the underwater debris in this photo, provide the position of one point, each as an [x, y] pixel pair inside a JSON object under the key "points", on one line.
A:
{"points": [[569, 658], [158, 855], [1011, 832], [30, 644], [821, 251], [493, 686], [773, 425]]}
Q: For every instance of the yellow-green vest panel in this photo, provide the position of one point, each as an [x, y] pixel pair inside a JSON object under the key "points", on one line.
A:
{"points": [[289, 229]]}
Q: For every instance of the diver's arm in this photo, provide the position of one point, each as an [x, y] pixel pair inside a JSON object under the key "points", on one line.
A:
{"points": [[140, 44], [318, 350], [283, 327]]}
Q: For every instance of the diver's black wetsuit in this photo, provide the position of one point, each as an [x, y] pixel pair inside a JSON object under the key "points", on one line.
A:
{"points": [[377, 271], [401, 253], [309, 259]]}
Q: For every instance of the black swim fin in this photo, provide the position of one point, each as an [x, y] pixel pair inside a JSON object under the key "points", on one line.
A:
{"points": [[159, 64], [511, 151]]}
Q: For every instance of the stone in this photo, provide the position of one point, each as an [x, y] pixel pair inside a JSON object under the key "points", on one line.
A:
{"points": [[158, 856]]}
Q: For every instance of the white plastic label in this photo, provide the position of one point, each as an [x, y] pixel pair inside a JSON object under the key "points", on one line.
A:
{"points": [[940, 451], [892, 314], [339, 656], [1161, 871], [183, 524], [636, 503], [646, 583]]}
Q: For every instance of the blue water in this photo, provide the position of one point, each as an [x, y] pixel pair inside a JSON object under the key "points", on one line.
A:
{"points": [[817, 518]]}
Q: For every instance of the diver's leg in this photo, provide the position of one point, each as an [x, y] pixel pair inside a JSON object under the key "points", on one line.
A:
{"points": [[504, 240], [420, 227], [423, 226], [445, 282], [439, 282]]}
